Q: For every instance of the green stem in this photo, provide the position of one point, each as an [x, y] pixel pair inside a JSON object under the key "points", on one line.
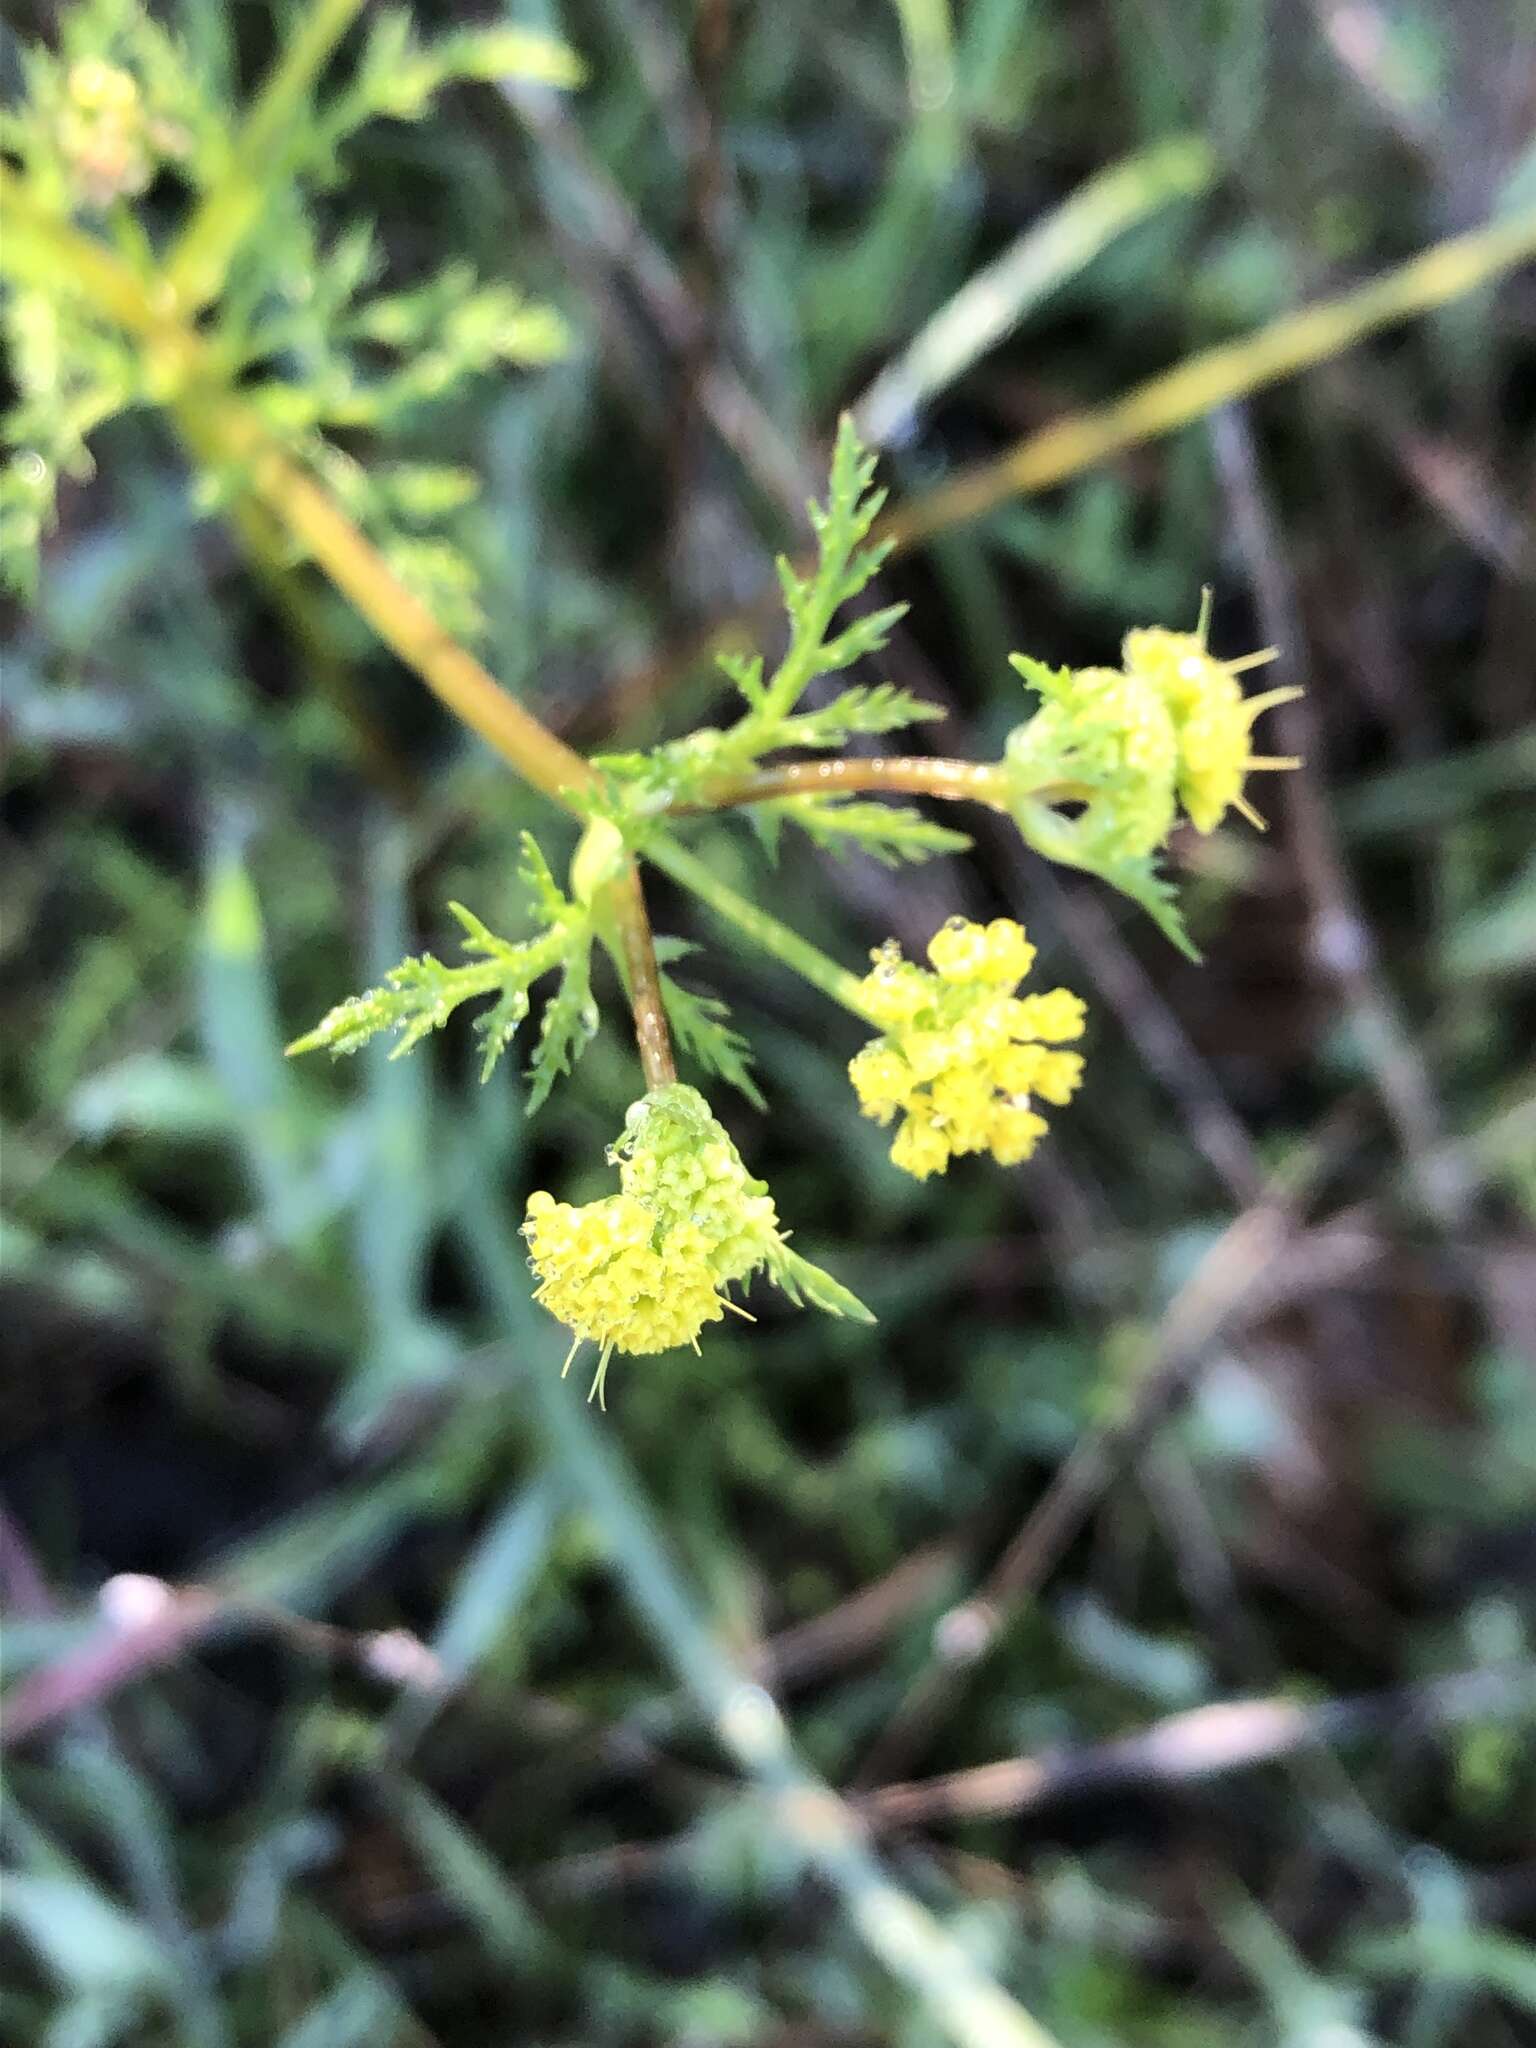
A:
{"points": [[233, 442], [754, 923], [200, 261]]}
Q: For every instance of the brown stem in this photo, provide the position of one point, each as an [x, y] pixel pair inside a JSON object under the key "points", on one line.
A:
{"points": [[912, 775], [652, 1038]]}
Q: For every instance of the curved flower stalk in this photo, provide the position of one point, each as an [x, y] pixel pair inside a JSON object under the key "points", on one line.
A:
{"points": [[963, 1058], [645, 1269]]}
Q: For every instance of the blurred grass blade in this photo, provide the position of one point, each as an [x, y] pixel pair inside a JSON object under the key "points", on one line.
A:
{"points": [[140, 1827], [1199, 385], [82, 1938], [501, 1571], [1499, 937], [470, 1878], [305, 1560], [928, 40], [996, 298], [1436, 793], [318, 1940], [357, 2014], [399, 1198], [243, 1041]]}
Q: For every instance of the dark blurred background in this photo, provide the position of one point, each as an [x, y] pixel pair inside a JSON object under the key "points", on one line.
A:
{"points": [[335, 1724]]}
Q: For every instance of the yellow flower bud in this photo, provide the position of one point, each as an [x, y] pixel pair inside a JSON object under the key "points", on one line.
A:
{"points": [[920, 1149], [1010, 956], [1016, 1067], [958, 950], [893, 991], [881, 1079], [1014, 1134], [608, 1279], [1058, 1076], [1055, 1015]]}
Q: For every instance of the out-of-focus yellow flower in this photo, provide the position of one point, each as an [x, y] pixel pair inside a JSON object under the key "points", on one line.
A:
{"points": [[111, 141], [1212, 719], [962, 1056]]}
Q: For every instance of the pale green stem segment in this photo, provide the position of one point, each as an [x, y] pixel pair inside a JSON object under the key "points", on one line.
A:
{"points": [[754, 923], [200, 261], [928, 40]]}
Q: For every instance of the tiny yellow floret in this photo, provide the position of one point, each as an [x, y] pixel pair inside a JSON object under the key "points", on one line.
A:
{"points": [[109, 139], [962, 1056]]}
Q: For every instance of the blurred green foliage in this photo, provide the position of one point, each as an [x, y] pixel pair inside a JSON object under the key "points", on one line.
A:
{"points": [[268, 1329]]}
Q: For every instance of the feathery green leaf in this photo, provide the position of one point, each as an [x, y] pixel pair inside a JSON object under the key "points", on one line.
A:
{"points": [[889, 833]]}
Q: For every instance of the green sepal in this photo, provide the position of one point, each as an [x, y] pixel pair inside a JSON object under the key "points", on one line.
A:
{"points": [[1061, 840]]}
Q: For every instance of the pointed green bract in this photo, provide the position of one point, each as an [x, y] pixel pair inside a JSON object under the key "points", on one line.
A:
{"points": [[701, 1025]]}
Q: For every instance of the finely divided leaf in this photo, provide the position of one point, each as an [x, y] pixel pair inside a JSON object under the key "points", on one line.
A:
{"points": [[413, 999], [422, 993], [568, 1028], [884, 708], [498, 1027], [889, 833], [699, 1024], [746, 672], [545, 896]]}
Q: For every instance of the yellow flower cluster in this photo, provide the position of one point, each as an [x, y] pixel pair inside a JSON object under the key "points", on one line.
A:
{"points": [[645, 1269], [963, 1057], [1212, 719], [612, 1275]]}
